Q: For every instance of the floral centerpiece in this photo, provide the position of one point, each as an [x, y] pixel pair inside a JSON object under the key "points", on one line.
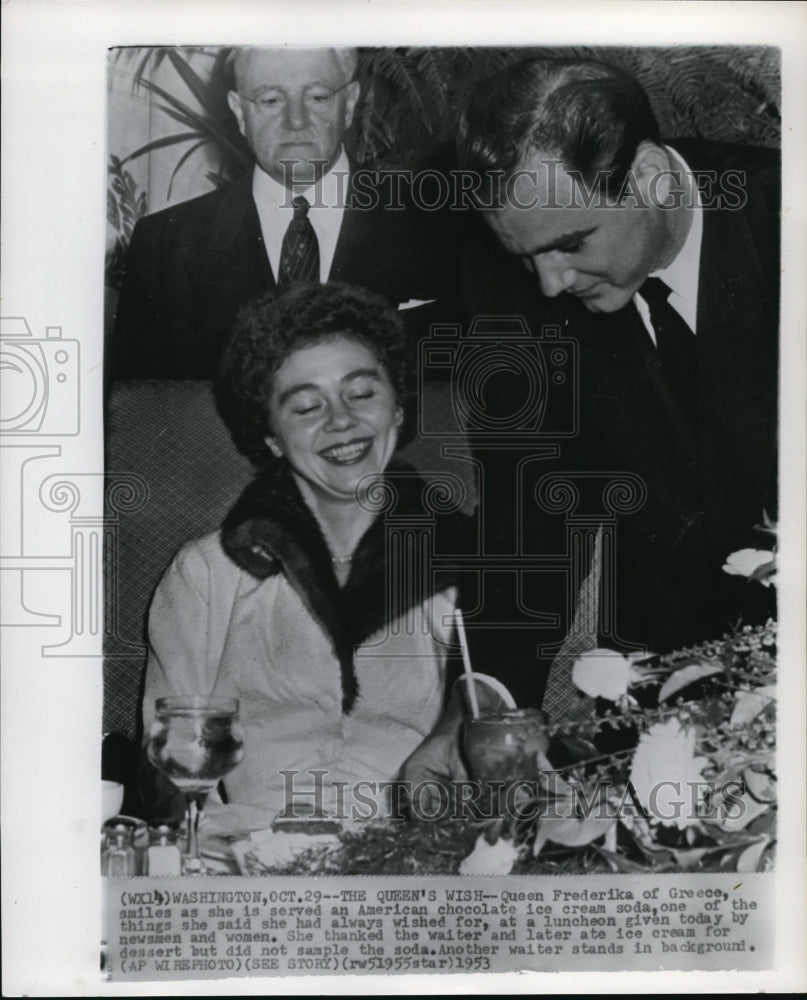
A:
{"points": [[688, 781], [675, 771]]}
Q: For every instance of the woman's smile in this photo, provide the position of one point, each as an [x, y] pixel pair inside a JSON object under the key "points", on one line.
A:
{"points": [[351, 453]]}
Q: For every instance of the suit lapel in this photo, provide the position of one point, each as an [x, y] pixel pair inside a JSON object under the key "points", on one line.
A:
{"points": [[377, 247], [627, 402], [362, 250], [738, 366], [236, 266], [349, 238]]}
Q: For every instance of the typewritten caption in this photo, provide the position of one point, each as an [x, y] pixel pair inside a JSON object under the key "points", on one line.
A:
{"points": [[207, 927]]}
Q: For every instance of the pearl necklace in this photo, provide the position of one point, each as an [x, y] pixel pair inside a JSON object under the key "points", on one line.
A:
{"points": [[341, 560]]}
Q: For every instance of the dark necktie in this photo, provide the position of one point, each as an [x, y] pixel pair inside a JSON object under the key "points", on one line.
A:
{"points": [[299, 254], [675, 343]]}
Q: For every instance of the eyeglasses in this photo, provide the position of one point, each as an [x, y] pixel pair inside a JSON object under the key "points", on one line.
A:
{"points": [[275, 102]]}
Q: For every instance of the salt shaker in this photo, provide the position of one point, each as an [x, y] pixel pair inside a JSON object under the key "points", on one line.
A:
{"points": [[164, 857], [118, 856]]}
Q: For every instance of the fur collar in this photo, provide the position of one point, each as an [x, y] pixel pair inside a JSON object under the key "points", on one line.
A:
{"points": [[270, 530]]}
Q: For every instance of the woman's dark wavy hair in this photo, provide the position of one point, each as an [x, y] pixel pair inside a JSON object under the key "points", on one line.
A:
{"points": [[589, 114], [272, 326]]}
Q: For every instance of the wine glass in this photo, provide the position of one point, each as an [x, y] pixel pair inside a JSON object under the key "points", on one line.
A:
{"points": [[195, 740]]}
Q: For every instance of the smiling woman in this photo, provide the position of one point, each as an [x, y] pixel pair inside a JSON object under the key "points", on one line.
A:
{"points": [[293, 607], [316, 380], [334, 417]]}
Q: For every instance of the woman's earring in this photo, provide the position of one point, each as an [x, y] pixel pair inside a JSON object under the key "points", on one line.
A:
{"points": [[271, 444]]}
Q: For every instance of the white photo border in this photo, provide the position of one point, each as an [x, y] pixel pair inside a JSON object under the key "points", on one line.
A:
{"points": [[54, 183]]}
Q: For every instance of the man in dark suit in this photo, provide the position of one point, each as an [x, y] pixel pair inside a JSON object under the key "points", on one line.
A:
{"points": [[190, 267], [674, 456], [678, 376]]}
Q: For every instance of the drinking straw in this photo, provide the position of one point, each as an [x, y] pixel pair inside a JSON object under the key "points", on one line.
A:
{"points": [[466, 660]]}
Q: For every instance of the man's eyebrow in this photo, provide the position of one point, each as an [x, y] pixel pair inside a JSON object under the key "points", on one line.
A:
{"points": [[265, 87], [313, 387], [562, 241]]}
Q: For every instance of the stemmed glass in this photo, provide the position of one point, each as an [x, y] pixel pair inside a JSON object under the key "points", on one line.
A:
{"points": [[195, 740]]}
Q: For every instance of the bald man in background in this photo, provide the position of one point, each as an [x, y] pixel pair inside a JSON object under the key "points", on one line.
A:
{"points": [[190, 267]]}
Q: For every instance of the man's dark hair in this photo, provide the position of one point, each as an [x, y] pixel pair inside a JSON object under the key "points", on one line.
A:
{"points": [[588, 114], [272, 326]]}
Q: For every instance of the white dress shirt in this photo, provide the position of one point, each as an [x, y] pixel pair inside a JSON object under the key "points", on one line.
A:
{"points": [[681, 276], [327, 200]]}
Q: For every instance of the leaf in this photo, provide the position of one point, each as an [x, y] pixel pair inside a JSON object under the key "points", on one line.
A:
{"points": [[749, 704], [712, 711], [429, 67], [185, 156], [764, 823], [205, 127], [571, 832], [618, 862], [166, 140], [765, 574], [186, 117], [768, 526], [215, 179], [688, 675], [153, 56], [391, 63], [689, 859], [195, 84], [760, 784], [750, 858], [112, 213], [730, 818], [640, 833], [569, 748]]}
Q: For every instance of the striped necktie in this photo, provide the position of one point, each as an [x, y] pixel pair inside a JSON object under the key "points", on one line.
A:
{"points": [[299, 254]]}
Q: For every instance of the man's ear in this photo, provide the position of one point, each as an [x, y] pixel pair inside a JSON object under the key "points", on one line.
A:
{"points": [[272, 445], [352, 91], [237, 109], [651, 169]]}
